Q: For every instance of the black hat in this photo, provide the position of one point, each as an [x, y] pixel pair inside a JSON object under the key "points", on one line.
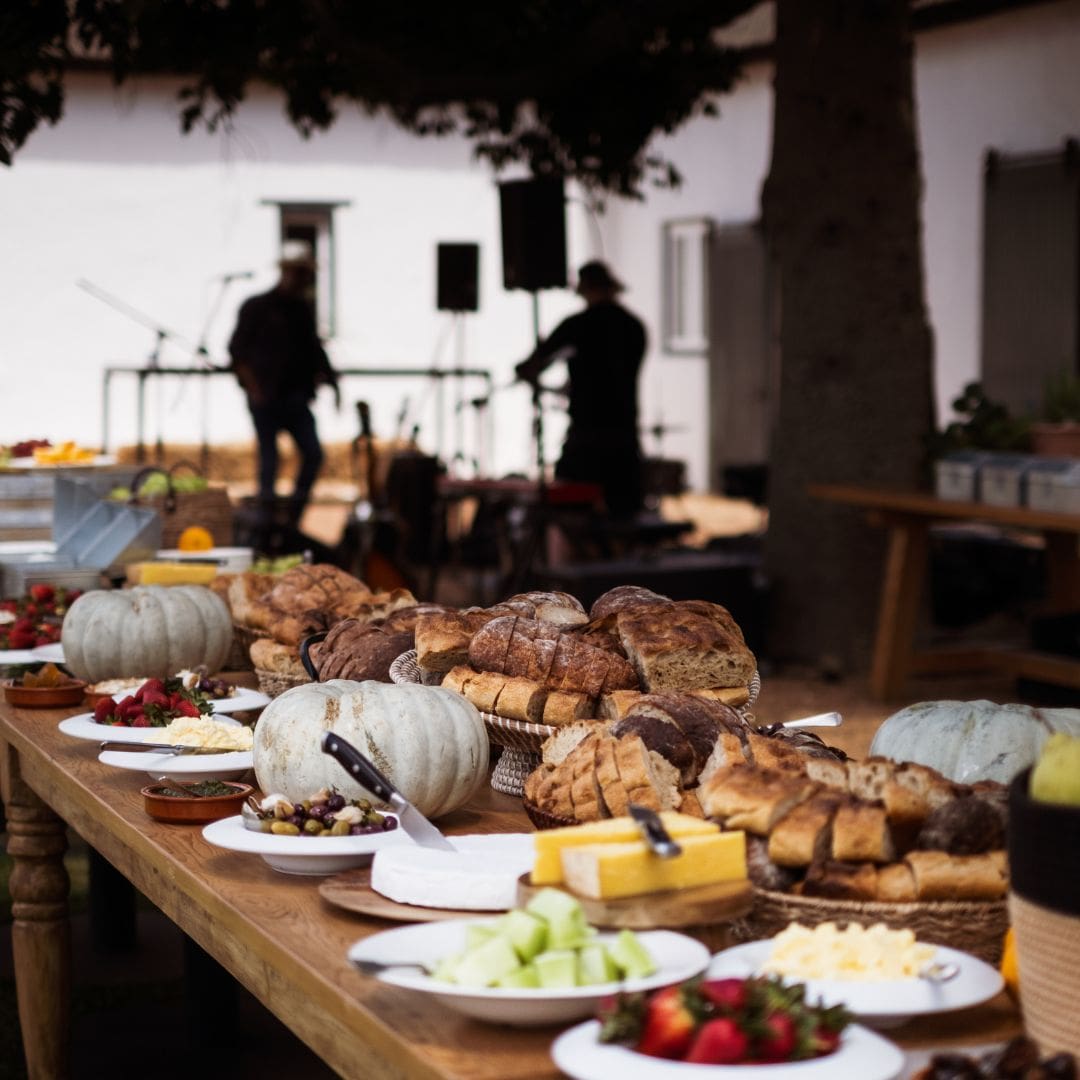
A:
{"points": [[596, 275]]}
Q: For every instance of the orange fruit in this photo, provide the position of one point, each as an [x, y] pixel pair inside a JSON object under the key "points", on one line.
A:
{"points": [[1010, 971], [195, 538]]}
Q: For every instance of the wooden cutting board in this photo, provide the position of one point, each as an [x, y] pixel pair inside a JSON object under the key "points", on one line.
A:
{"points": [[679, 909], [353, 892]]}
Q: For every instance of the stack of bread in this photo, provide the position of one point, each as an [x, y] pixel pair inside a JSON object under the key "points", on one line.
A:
{"points": [[857, 830], [539, 657], [281, 610]]}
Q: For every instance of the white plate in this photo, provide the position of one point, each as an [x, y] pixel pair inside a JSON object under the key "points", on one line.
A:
{"points": [[312, 855], [883, 1003], [863, 1055], [40, 654], [241, 701], [677, 957], [84, 726], [228, 765]]}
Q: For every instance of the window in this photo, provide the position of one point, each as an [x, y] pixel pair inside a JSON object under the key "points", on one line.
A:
{"points": [[313, 223], [686, 284]]}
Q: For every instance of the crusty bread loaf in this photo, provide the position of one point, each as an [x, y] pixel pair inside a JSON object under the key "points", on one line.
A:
{"points": [[841, 881], [733, 696], [556, 747], [826, 770], [483, 689], [860, 833], [649, 779], [929, 784], [557, 608], [753, 799], [616, 797], [769, 753], [622, 597], [681, 728], [617, 704], [939, 876], [488, 646], [896, 884], [585, 790], [442, 637], [270, 655], [564, 707], [660, 733], [317, 587], [247, 599], [520, 699], [359, 651], [804, 834], [729, 750], [456, 678], [675, 648]]}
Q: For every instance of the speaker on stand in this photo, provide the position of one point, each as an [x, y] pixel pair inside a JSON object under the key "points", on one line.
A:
{"points": [[458, 291]]}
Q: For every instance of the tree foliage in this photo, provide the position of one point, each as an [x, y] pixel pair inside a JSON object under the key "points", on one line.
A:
{"points": [[570, 89]]}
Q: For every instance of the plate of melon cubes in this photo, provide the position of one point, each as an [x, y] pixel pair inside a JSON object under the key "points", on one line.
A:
{"points": [[538, 964]]}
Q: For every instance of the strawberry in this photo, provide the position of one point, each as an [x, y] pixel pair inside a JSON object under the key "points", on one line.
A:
{"points": [[141, 721], [9, 605], [824, 1041], [779, 1037], [187, 708], [103, 710], [669, 1025], [719, 1042], [30, 610], [22, 639], [42, 593], [156, 686], [728, 995], [23, 624]]}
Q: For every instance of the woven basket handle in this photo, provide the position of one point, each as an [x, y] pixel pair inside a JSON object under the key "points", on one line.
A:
{"points": [[183, 464], [305, 655], [141, 475]]}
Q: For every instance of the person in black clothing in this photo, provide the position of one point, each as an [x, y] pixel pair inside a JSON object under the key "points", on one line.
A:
{"points": [[603, 347], [280, 363]]}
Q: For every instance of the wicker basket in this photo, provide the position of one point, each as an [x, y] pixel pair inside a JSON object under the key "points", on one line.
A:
{"points": [[273, 683], [974, 926], [240, 654], [542, 819], [210, 508]]}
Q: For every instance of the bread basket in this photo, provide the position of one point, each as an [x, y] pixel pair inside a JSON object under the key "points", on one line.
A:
{"points": [[974, 926], [520, 741]]}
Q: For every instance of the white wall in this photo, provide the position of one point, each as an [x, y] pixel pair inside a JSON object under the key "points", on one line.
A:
{"points": [[115, 194]]}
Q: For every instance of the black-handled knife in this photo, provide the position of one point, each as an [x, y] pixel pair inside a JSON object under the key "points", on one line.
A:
{"points": [[361, 769], [656, 836]]}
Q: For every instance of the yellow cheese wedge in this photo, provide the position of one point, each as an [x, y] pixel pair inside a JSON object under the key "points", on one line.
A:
{"points": [[611, 871], [550, 843], [166, 573]]}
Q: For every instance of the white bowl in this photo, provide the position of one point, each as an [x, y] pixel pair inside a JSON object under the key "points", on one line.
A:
{"points": [[677, 957]]}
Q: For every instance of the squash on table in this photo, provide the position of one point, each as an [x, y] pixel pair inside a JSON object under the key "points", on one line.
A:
{"points": [[429, 743], [151, 630], [969, 741]]}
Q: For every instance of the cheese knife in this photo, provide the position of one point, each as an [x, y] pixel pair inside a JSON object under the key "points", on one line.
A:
{"points": [[361, 769], [164, 748], [656, 836]]}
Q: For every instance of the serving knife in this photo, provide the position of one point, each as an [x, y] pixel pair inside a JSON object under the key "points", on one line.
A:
{"points": [[164, 748], [656, 836], [361, 769]]}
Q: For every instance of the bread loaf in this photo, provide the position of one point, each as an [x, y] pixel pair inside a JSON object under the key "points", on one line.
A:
{"points": [[247, 599], [442, 637], [318, 587], [804, 834], [556, 747], [359, 651], [939, 876], [661, 734], [483, 688], [621, 598], [564, 707], [520, 699], [270, 655], [753, 799], [557, 608], [841, 881], [860, 833], [674, 647]]}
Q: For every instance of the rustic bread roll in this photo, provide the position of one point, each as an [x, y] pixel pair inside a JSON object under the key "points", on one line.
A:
{"points": [[556, 747], [804, 834], [564, 707], [698, 721], [769, 753], [827, 770], [613, 790], [585, 790], [860, 832], [939, 876], [729, 750], [617, 704], [732, 696], [319, 587], [456, 678], [247, 599], [675, 648], [753, 799], [483, 689], [622, 597], [649, 779]]}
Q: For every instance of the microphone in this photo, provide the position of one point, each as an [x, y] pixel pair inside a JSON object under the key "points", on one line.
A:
{"points": [[237, 275]]}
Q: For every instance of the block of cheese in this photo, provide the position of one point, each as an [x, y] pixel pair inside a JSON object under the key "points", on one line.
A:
{"points": [[612, 871], [550, 843], [177, 573]]}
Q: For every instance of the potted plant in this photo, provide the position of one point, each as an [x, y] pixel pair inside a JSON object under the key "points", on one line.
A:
{"points": [[1057, 431]]}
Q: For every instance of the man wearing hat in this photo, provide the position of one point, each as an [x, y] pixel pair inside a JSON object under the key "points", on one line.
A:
{"points": [[603, 347], [280, 362]]}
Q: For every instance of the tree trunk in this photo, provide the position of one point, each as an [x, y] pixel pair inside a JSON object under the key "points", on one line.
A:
{"points": [[841, 208]]}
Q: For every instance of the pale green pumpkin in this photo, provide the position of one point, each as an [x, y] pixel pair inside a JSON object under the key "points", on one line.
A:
{"points": [[429, 743]]}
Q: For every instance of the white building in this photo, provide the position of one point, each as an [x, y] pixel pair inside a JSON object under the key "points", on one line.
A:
{"points": [[114, 196]]}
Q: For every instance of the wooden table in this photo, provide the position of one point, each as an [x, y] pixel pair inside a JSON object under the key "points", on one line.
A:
{"points": [[273, 932], [908, 517]]}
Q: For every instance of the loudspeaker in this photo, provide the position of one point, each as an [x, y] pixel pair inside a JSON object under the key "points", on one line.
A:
{"points": [[533, 234], [458, 270]]}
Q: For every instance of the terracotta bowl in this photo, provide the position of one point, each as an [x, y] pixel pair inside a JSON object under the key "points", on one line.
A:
{"points": [[191, 809], [45, 697]]}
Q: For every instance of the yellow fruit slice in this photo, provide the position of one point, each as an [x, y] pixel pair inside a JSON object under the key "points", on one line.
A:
{"points": [[1009, 969], [195, 538]]}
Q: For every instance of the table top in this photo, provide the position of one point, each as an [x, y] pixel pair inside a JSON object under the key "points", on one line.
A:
{"points": [[928, 505], [285, 944]]}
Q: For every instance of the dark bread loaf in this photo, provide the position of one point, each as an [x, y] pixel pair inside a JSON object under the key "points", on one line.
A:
{"points": [[359, 651], [685, 646], [654, 715], [967, 826], [658, 732]]}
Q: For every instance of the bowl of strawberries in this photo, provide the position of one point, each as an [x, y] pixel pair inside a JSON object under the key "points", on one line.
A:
{"points": [[156, 703], [758, 1027]]}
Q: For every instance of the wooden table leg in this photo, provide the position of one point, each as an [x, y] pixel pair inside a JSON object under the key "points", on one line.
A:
{"points": [[901, 595], [41, 933]]}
